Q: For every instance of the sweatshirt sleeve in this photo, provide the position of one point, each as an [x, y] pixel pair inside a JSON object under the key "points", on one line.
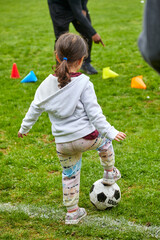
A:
{"points": [[94, 113], [76, 7], [30, 118], [84, 5]]}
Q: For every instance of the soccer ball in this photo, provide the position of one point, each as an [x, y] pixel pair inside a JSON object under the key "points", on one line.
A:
{"points": [[103, 196]]}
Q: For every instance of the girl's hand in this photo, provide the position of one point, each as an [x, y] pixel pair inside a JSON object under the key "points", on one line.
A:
{"points": [[120, 136], [20, 135]]}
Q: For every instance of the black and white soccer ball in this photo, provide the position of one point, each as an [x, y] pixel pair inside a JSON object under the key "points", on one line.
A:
{"points": [[103, 196]]}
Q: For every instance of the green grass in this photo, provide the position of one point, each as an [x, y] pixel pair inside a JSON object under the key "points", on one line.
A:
{"points": [[30, 174]]}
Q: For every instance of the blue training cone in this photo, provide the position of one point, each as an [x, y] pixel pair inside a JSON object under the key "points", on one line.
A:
{"points": [[31, 77]]}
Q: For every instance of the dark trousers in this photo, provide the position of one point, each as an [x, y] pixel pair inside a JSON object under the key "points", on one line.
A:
{"points": [[60, 29]]}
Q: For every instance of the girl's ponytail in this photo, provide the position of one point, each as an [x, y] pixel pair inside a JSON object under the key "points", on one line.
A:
{"points": [[62, 72], [69, 48]]}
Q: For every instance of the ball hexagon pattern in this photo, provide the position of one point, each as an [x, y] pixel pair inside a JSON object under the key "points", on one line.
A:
{"points": [[103, 196]]}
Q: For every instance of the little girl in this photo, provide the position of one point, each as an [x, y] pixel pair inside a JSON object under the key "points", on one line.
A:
{"points": [[78, 123]]}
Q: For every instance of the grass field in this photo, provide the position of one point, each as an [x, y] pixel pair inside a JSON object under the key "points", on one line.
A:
{"points": [[30, 173]]}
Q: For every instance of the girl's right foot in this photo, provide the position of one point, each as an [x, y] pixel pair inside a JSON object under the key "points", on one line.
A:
{"points": [[110, 177], [75, 217]]}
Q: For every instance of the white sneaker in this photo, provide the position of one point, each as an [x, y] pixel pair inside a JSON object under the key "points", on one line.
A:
{"points": [[75, 217], [109, 177]]}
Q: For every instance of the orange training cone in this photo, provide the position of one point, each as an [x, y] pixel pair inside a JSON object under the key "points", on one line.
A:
{"points": [[15, 73], [137, 82]]}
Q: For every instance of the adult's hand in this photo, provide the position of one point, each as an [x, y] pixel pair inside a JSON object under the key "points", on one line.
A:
{"points": [[97, 39], [84, 13]]}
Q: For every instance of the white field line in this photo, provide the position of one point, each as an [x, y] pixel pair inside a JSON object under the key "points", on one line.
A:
{"points": [[119, 224], [32, 210]]}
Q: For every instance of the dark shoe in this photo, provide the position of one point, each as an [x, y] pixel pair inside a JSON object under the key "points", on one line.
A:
{"points": [[88, 68]]}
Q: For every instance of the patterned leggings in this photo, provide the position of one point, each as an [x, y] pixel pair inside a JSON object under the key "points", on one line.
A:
{"points": [[70, 156]]}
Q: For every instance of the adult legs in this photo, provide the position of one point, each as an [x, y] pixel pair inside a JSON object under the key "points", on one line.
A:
{"points": [[87, 67], [88, 39], [60, 26]]}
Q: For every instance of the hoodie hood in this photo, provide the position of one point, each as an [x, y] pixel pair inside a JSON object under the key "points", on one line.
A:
{"points": [[61, 102]]}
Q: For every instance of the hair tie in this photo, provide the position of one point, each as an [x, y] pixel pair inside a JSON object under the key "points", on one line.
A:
{"points": [[65, 58]]}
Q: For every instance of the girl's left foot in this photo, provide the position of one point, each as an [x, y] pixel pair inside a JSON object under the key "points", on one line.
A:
{"points": [[75, 217], [110, 177]]}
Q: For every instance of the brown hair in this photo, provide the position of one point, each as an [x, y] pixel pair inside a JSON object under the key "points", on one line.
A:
{"points": [[69, 48]]}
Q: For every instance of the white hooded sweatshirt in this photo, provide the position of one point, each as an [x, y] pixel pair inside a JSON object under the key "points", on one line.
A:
{"points": [[73, 110]]}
